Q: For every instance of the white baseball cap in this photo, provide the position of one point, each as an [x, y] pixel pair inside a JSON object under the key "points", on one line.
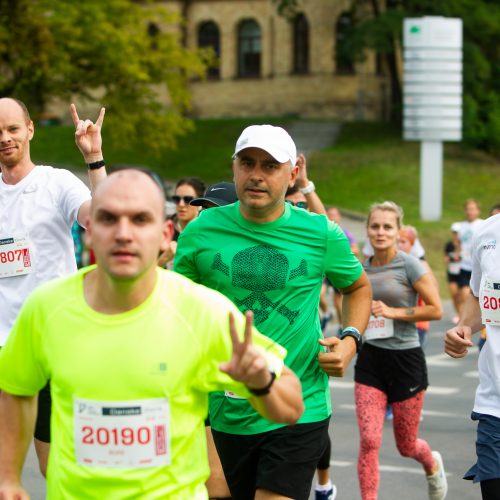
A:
{"points": [[455, 227], [274, 140]]}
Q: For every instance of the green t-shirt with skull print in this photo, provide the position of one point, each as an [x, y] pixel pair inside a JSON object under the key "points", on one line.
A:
{"points": [[276, 270]]}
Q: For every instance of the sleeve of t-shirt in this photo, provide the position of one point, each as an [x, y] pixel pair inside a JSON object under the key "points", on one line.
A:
{"points": [[72, 193], [414, 269], [342, 267], [185, 255], [475, 279], [22, 371], [217, 346]]}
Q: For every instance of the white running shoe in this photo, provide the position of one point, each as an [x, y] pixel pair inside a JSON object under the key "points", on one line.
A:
{"points": [[438, 485]]}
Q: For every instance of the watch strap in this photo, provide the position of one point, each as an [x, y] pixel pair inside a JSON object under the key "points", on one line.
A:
{"points": [[264, 390], [351, 331], [96, 165]]}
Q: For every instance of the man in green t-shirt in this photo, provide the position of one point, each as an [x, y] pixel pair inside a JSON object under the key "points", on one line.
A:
{"points": [[270, 258], [130, 370]]}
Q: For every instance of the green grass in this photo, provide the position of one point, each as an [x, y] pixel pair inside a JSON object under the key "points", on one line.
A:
{"points": [[205, 152], [369, 163]]}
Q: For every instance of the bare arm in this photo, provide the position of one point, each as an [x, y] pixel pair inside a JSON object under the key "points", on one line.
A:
{"points": [[356, 303], [89, 141], [283, 404], [458, 339], [17, 423], [313, 201]]}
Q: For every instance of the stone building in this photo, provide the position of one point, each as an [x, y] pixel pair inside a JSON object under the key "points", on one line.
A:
{"points": [[270, 66]]}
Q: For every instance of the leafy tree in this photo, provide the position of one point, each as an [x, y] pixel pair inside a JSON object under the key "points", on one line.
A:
{"points": [[379, 27], [120, 53]]}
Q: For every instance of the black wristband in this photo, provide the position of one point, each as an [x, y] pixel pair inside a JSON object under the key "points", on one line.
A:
{"points": [[96, 165], [264, 390]]}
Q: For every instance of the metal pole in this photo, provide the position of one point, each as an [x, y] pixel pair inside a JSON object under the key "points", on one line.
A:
{"points": [[431, 180]]}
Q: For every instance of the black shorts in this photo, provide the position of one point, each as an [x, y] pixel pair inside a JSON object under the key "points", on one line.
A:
{"points": [[464, 278], [453, 278], [282, 461], [42, 426], [398, 373]]}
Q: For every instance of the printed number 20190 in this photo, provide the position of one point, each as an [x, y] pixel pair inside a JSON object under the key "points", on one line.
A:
{"points": [[116, 437]]}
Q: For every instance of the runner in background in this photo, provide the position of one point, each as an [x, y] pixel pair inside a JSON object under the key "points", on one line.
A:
{"points": [[466, 229], [186, 190], [391, 366], [407, 237], [39, 206], [452, 260]]}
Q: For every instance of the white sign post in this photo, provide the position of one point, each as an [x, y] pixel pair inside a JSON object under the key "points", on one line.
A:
{"points": [[432, 98]]}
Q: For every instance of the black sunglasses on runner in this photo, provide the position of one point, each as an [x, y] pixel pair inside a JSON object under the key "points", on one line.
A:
{"points": [[186, 199]]}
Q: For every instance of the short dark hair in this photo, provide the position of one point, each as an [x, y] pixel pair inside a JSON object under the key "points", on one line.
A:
{"points": [[195, 182], [292, 190]]}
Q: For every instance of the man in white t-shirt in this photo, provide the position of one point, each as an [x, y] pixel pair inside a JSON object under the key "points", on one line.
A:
{"points": [[466, 230], [38, 206], [482, 307]]}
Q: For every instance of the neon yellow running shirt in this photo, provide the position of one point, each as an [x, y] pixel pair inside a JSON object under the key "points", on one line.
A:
{"points": [[110, 377]]}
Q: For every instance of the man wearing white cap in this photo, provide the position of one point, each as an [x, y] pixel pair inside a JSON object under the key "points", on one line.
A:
{"points": [[270, 257]]}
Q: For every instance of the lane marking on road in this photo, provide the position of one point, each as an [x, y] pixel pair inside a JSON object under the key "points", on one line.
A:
{"points": [[472, 374], [383, 468], [433, 389], [442, 391], [427, 413]]}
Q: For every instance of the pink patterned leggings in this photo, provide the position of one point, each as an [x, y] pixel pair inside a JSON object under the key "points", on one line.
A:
{"points": [[371, 404]]}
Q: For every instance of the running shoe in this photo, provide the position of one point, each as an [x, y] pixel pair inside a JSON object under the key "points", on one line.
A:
{"points": [[438, 485], [330, 494]]}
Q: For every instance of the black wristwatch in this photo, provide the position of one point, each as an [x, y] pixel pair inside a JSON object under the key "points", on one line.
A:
{"points": [[264, 390], [96, 165], [351, 331]]}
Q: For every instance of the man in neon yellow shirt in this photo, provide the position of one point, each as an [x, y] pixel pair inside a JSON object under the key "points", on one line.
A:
{"points": [[132, 352]]}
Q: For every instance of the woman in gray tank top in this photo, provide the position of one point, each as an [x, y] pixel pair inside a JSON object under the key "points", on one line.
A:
{"points": [[391, 365]]}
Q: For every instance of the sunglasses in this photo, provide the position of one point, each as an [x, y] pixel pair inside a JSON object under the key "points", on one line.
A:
{"points": [[186, 199], [299, 204]]}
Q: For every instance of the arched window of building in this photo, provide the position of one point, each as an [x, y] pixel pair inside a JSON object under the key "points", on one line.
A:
{"points": [[249, 49], [208, 36], [300, 44], [344, 61], [153, 32]]}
